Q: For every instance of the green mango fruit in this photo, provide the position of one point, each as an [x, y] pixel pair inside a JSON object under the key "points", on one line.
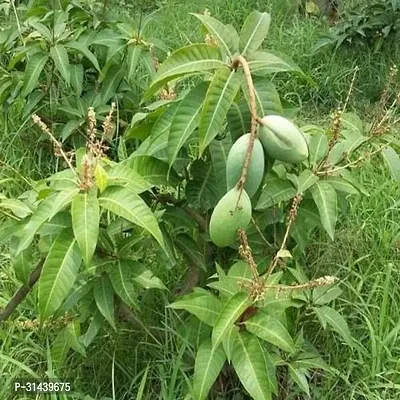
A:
{"points": [[229, 216], [235, 162], [282, 139]]}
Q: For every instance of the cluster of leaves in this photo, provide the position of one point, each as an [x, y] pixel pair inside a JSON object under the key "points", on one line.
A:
{"points": [[93, 225], [370, 23], [59, 61]]}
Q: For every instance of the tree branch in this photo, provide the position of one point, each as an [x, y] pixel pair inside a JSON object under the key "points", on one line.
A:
{"points": [[22, 292]]}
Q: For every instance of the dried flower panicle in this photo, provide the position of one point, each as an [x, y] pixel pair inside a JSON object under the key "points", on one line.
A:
{"points": [[156, 62], [294, 209], [34, 324], [57, 146], [167, 94], [209, 39], [336, 127]]}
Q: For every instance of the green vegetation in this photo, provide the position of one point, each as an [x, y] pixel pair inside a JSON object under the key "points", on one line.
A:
{"points": [[129, 159]]}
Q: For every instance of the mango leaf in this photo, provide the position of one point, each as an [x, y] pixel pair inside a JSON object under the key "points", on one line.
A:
{"points": [[104, 297], [328, 315], [132, 59], [187, 60], [190, 250], [225, 35], [153, 170], [94, 328], [298, 376], [185, 120], [267, 98], [348, 177], [341, 185], [209, 362], [61, 61], [254, 31], [311, 361], [128, 204], [111, 82], [325, 198], [59, 272], [271, 62], [62, 200], [229, 342], [220, 94], [306, 180], [219, 150], [82, 48], [324, 295], [203, 190], [271, 330], [352, 122], [318, 147], [106, 37], [144, 277], [59, 349], [121, 276], [17, 207], [72, 333], [85, 211], [250, 365], [101, 177], [33, 69], [239, 119], [393, 162], [122, 175], [22, 262], [76, 78], [275, 191], [37, 219], [205, 306], [231, 311], [335, 154], [157, 143]]}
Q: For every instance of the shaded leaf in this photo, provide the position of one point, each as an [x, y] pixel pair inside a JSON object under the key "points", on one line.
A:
{"points": [[104, 297], [231, 311], [61, 61], [185, 120], [129, 205], [275, 191], [122, 278], [328, 315], [58, 275], [33, 69], [209, 363], [326, 200], [205, 306], [220, 94]]}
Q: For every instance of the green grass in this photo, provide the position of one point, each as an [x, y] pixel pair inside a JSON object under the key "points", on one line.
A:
{"points": [[365, 254]]}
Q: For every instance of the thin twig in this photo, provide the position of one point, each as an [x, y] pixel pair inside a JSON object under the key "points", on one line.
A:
{"points": [[22, 292], [240, 60], [36, 119], [353, 163], [292, 216]]}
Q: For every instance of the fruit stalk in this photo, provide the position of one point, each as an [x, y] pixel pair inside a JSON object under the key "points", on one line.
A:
{"points": [[240, 60]]}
